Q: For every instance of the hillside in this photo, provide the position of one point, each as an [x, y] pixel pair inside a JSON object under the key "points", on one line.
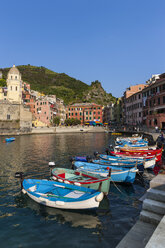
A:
{"points": [[63, 86]]}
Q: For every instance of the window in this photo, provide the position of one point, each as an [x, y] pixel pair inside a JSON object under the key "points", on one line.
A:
{"points": [[10, 87], [163, 99], [15, 77], [80, 118], [139, 114], [8, 117], [86, 113], [158, 100], [90, 118], [72, 114], [16, 88], [80, 113], [86, 118], [98, 113], [139, 96], [69, 114], [90, 113], [69, 109], [94, 113], [76, 114]]}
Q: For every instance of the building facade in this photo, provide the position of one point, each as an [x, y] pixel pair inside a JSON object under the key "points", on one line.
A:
{"points": [[85, 112], [131, 101], [108, 113], [13, 114], [154, 103]]}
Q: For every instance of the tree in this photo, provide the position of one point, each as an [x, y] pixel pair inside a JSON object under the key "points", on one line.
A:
{"points": [[72, 122], [56, 121], [2, 82]]}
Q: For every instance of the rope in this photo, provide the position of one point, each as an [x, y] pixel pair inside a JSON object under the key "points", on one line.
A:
{"points": [[117, 187]]}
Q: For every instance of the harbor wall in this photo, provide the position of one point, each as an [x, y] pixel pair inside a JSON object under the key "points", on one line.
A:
{"points": [[149, 230]]}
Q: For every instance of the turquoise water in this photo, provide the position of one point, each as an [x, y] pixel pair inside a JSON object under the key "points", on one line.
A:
{"points": [[24, 223]]}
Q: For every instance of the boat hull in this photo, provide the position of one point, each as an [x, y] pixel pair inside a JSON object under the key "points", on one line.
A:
{"points": [[66, 197], [86, 180], [117, 174]]}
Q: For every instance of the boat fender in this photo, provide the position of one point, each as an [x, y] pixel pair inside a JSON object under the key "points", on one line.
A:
{"points": [[99, 197], [60, 180], [54, 178], [24, 191], [60, 203], [51, 164], [66, 182], [77, 184]]}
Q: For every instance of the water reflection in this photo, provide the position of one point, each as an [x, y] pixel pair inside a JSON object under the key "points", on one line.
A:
{"points": [[76, 218], [31, 154]]}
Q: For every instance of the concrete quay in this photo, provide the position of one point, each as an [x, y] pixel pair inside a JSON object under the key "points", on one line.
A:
{"points": [[55, 130], [149, 230]]}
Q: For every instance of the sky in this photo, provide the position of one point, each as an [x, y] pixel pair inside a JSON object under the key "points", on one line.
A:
{"points": [[118, 42]]}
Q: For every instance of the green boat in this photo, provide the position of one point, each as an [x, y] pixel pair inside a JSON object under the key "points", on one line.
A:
{"points": [[83, 179]]}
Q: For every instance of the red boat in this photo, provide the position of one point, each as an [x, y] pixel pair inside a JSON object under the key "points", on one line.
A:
{"points": [[141, 153]]}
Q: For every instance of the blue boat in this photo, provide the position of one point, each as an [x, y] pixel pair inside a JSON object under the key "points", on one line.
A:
{"points": [[114, 161], [61, 195], [132, 144], [118, 174], [10, 139]]}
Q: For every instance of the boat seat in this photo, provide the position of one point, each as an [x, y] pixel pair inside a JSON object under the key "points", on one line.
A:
{"points": [[74, 177]]}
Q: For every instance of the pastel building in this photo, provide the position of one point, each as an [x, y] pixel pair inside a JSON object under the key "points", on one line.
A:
{"points": [[132, 104], [85, 112]]}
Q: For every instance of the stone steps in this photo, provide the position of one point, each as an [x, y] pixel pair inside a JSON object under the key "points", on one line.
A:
{"points": [[150, 217], [154, 206], [156, 195]]}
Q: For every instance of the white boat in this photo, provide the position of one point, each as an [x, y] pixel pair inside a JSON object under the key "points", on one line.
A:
{"points": [[61, 195]]}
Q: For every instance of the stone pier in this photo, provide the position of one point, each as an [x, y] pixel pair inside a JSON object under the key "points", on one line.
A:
{"points": [[149, 230]]}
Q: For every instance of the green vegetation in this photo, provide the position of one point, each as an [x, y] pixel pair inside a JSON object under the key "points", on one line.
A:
{"points": [[2, 82], [72, 122], [56, 121], [67, 88]]}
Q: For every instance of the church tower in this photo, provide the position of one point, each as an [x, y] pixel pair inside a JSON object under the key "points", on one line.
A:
{"points": [[14, 85]]}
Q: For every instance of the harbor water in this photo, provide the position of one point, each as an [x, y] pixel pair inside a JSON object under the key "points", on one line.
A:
{"points": [[24, 223]]}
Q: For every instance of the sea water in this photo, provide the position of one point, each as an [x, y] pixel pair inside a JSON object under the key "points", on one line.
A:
{"points": [[24, 223]]}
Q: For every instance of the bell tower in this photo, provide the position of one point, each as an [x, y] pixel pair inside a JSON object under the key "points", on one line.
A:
{"points": [[14, 85]]}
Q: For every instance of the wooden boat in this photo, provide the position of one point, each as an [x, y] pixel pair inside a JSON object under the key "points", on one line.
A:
{"points": [[128, 161], [115, 161], [86, 180], [118, 174], [61, 195], [144, 152], [10, 139]]}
